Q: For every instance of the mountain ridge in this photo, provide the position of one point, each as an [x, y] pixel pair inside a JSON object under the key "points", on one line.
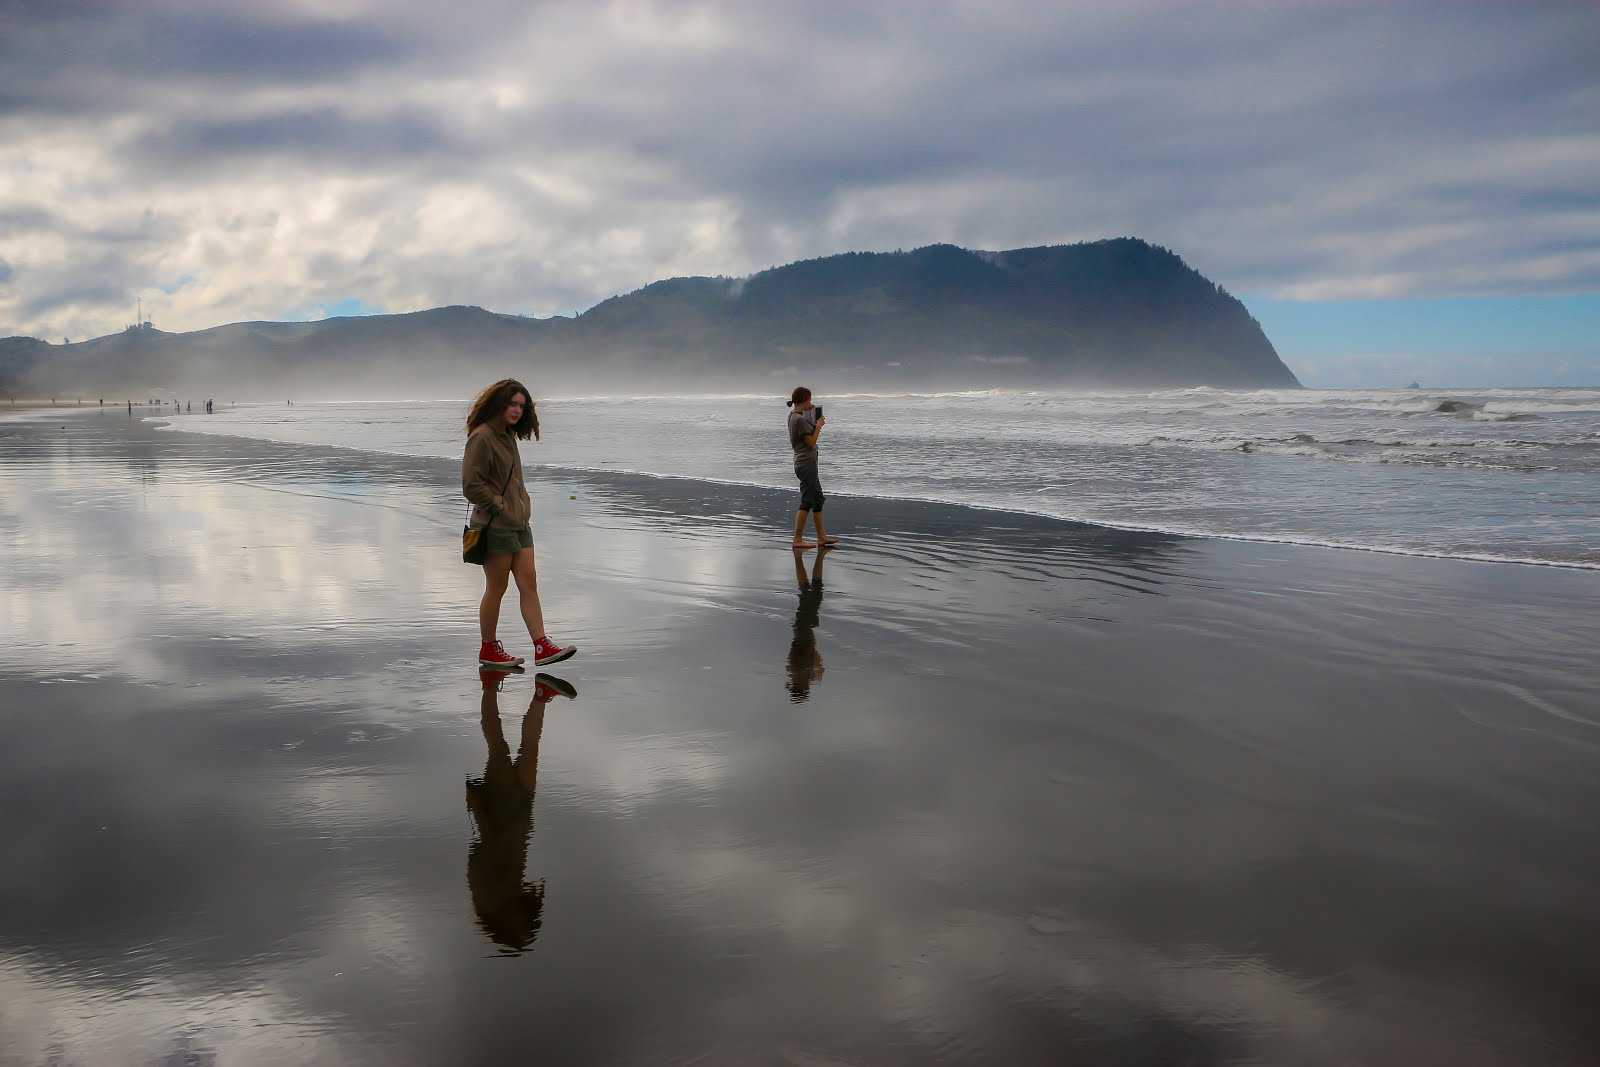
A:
{"points": [[1119, 312]]}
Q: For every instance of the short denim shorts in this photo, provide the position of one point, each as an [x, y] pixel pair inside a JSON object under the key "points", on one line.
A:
{"points": [[504, 542]]}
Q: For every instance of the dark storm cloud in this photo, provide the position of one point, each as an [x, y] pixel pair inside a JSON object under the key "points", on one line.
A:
{"points": [[17, 220], [319, 137], [579, 150], [1143, 129], [98, 57], [101, 286]]}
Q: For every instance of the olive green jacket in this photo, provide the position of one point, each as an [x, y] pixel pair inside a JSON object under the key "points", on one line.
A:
{"points": [[491, 477]]}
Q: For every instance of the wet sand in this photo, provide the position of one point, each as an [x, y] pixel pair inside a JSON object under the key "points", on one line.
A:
{"points": [[981, 789]]}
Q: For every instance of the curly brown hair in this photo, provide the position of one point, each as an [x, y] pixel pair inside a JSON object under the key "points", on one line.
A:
{"points": [[492, 403]]}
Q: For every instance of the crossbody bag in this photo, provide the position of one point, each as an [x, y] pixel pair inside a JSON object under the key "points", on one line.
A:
{"points": [[475, 543]]}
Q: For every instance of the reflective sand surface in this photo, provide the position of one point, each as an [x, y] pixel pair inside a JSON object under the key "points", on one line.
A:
{"points": [[978, 790]]}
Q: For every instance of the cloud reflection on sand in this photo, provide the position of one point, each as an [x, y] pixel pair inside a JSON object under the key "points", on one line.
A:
{"points": [[1190, 829], [51, 1016], [102, 553]]}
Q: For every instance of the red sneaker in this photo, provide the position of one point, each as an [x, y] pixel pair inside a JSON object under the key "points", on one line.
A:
{"points": [[494, 678], [547, 651], [546, 686], [494, 654]]}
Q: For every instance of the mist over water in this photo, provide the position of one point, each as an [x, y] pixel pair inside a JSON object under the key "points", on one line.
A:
{"points": [[1500, 475]]}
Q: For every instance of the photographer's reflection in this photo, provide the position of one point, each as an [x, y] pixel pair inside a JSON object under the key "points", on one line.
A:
{"points": [[510, 909], [805, 662]]}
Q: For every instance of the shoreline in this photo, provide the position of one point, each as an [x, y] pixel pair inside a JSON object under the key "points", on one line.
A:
{"points": [[29, 404], [559, 470]]}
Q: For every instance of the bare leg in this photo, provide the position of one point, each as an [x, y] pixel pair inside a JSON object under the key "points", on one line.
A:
{"points": [[800, 530], [527, 762], [527, 577], [499, 752], [822, 537], [496, 571]]}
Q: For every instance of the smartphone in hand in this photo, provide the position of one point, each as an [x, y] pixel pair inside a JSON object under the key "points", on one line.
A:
{"points": [[818, 409]]}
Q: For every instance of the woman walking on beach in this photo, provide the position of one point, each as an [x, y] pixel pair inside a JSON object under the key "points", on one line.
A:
{"points": [[491, 477], [805, 426]]}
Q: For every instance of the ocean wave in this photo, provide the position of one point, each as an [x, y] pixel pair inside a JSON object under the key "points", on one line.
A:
{"points": [[1533, 405], [1191, 529], [1511, 457], [1075, 457]]}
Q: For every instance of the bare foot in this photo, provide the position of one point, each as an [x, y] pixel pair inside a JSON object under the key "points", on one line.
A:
{"points": [[830, 540], [798, 545]]}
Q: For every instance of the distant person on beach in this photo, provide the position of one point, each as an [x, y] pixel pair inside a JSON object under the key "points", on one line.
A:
{"points": [[491, 478], [805, 426]]}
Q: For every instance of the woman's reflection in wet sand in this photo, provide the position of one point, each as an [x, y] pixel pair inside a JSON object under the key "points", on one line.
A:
{"points": [[510, 909], [805, 662]]}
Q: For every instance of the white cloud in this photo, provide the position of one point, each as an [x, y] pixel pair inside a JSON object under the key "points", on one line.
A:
{"points": [[407, 155]]}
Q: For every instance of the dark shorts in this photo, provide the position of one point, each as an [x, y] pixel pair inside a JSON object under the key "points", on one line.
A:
{"points": [[506, 542], [811, 498]]}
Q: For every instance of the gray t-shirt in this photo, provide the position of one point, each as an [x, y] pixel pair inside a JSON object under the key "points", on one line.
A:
{"points": [[801, 423]]}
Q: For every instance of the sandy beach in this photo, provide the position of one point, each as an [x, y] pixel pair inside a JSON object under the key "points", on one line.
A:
{"points": [[973, 788]]}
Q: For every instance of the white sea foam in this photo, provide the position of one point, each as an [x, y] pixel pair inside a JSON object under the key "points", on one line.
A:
{"points": [[1380, 470]]}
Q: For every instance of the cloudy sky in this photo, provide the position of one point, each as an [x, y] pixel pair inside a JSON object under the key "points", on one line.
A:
{"points": [[1406, 190]]}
